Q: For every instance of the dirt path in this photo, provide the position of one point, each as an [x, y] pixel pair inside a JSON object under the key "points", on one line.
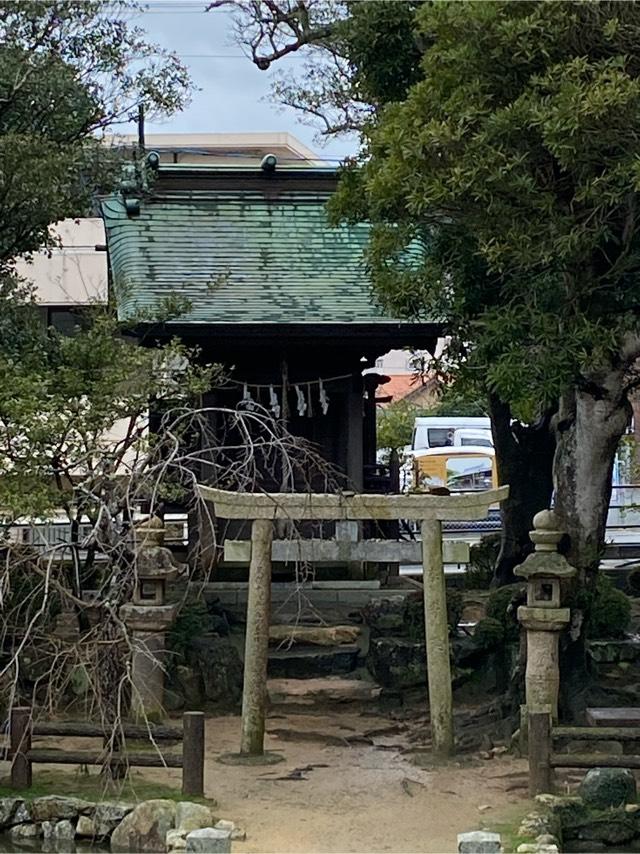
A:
{"points": [[368, 798]]}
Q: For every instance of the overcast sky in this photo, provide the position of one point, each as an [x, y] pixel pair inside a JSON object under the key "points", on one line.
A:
{"points": [[234, 94]]}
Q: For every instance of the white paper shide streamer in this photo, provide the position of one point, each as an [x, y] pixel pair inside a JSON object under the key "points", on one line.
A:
{"points": [[274, 404], [323, 397], [301, 403]]}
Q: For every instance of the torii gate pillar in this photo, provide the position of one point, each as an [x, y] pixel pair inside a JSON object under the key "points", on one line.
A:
{"points": [[256, 645], [437, 638]]}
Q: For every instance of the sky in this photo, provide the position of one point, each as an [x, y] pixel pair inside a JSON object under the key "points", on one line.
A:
{"points": [[233, 94]]}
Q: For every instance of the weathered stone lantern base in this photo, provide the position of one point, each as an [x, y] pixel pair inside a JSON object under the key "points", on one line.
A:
{"points": [[542, 678], [148, 626]]}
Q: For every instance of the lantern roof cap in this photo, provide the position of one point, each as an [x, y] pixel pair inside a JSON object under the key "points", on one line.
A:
{"points": [[545, 565]]}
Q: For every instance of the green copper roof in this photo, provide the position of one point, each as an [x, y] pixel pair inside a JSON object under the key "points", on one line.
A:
{"points": [[239, 256]]}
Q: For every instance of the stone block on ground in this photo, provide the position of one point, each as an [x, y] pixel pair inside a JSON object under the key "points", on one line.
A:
{"points": [[63, 831], [316, 635], [535, 823], [86, 827], [145, 829], [56, 808], [308, 662], [608, 787], [25, 831], [536, 848], [385, 616], [219, 663], [8, 811], [396, 663], [329, 689], [479, 842], [176, 840], [236, 832], [191, 816], [107, 816], [209, 840]]}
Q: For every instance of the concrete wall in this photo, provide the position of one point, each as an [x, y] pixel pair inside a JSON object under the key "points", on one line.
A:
{"points": [[74, 273]]}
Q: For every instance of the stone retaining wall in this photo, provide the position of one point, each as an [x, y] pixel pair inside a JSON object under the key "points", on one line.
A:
{"points": [[157, 825]]}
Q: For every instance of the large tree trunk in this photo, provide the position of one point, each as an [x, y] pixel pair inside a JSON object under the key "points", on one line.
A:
{"points": [[524, 458], [591, 421]]}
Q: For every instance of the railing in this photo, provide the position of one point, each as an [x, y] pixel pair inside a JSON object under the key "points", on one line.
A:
{"points": [[191, 760], [543, 758]]}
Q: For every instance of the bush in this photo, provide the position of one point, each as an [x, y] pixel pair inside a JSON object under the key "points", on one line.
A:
{"points": [[502, 606], [192, 622], [489, 633], [633, 582], [414, 613], [482, 561], [455, 607], [610, 612]]}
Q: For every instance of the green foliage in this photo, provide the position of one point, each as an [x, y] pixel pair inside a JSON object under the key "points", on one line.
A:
{"points": [[501, 606], [65, 396], [607, 609], [66, 76], [95, 786], [455, 607], [192, 621], [383, 50], [395, 425], [414, 613], [509, 172], [633, 582], [489, 633], [482, 562]]}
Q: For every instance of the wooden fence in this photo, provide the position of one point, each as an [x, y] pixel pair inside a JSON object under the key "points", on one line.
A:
{"points": [[543, 758], [191, 760]]}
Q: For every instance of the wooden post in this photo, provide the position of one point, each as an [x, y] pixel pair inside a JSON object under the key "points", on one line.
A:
{"points": [[437, 637], [254, 695], [539, 737], [20, 746], [193, 754]]}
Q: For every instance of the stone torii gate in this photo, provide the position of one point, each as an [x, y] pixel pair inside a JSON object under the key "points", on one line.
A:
{"points": [[428, 509]]}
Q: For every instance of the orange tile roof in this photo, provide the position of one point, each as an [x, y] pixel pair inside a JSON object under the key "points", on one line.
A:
{"points": [[400, 386]]}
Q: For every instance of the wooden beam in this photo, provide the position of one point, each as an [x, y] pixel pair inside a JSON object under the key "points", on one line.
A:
{"points": [[85, 729], [539, 737], [20, 736], [601, 733], [193, 754], [593, 760], [88, 757], [616, 717]]}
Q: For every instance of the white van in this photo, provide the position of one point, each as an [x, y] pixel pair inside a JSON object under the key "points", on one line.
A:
{"points": [[442, 432]]}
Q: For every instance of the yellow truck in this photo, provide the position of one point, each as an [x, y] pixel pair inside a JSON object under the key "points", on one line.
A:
{"points": [[467, 468]]}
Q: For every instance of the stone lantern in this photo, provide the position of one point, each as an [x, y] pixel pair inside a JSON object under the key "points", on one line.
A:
{"points": [[148, 617], [542, 616]]}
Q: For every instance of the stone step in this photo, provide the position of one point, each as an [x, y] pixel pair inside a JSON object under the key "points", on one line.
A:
{"points": [[314, 635], [306, 662], [329, 690]]}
